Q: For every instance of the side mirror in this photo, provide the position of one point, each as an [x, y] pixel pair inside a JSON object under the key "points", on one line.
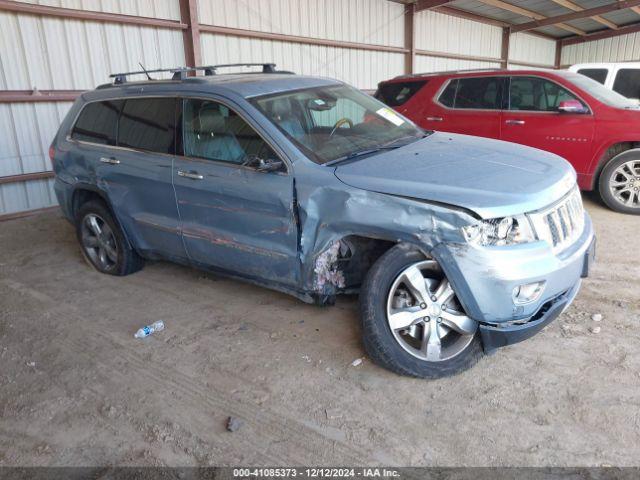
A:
{"points": [[572, 106], [264, 165]]}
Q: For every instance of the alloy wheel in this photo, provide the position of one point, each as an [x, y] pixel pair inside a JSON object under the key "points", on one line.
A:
{"points": [[624, 184], [425, 316], [99, 242]]}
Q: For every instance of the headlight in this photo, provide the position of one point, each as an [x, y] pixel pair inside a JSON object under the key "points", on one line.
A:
{"points": [[500, 231]]}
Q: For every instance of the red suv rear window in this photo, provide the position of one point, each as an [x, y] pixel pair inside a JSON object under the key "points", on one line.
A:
{"points": [[397, 93]]}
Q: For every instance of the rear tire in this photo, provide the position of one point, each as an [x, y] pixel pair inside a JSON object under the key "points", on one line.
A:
{"points": [[102, 241], [619, 183], [387, 347]]}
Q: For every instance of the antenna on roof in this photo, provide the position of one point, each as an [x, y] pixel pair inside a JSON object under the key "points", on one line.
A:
{"points": [[145, 71]]}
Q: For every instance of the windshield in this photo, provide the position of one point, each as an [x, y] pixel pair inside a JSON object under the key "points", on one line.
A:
{"points": [[336, 122], [598, 91]]}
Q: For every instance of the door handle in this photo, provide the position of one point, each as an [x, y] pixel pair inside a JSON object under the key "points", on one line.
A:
{"points": [[514, 122], [434, 119], [192, 175], [110, 161]]}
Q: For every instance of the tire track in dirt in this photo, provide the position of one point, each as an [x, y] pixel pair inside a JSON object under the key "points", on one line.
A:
{"points": [[308, 445]]}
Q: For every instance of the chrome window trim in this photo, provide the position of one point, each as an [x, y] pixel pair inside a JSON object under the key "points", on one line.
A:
{"points": [[440, 91], [214, 98], [508, 76]]}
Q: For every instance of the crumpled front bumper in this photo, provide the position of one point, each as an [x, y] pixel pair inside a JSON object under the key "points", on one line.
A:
{"points": [[485, 278], [503, 334]]}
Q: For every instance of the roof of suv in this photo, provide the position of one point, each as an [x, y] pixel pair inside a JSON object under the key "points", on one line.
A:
{"points": [[243, 84], [476, 73]]}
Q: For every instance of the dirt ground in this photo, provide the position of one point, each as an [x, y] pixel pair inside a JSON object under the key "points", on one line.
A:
{"points": [[77, 389]]}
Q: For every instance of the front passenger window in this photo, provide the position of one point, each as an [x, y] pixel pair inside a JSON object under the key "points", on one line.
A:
{"points": [[537, 94], [213, 131]]}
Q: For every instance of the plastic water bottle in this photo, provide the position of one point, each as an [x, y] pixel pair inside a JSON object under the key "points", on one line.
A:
{"points": [[149, 329]]}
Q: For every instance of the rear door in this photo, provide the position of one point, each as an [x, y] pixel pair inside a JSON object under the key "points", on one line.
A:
{"points": [[533, 119], [467, 105], [233, 216], [133, 166]]}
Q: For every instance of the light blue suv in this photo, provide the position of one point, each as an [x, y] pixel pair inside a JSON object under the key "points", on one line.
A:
{"points": [[306, 185]]}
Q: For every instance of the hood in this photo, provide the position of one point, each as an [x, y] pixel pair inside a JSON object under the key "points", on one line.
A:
{"points": [[490, 177]]}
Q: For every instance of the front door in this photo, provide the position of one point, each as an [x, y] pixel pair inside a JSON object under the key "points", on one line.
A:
{"points": [[233, 216], [533, 119]]}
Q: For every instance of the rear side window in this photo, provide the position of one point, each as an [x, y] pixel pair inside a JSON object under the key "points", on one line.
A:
{"points": [[98, 123], [597, 74], [148, 124], [397, 93], [483, 93], [479, 93], [627, 83]]}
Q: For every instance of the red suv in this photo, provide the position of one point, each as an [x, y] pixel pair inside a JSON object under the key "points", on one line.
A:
{"points": [[566, 113]]}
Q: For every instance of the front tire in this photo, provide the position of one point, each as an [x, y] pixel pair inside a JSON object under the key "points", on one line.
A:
{"points": [[412, 322], [619, 183], [102, 241]]}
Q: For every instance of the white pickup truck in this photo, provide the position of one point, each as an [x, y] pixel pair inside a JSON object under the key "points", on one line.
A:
{"points": [[623, 77]]}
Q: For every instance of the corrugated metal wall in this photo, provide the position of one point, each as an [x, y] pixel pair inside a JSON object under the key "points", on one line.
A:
{"points": [[60, 54], [363, 21], [362, 68], [530, 48], [444, 33], [614, 49], [377, 22]]}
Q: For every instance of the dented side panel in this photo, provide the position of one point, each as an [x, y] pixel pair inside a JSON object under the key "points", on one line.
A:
{"points": [[238, 219], [329, 211], [140, 191]]}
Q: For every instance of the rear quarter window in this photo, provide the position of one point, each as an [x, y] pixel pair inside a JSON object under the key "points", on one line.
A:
{"points": [[398, 93], [448, 95], [98, 122]]}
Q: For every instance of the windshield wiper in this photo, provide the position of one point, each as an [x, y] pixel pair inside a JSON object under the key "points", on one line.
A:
{"points": [[368, 151], [360, 153]]}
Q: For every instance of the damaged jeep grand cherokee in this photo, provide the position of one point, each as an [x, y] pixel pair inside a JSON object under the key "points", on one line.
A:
{"points": [[456, 244]]}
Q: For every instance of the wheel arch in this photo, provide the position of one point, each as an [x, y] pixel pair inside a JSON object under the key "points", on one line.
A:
{"points": [[83, 193], [611, 152], [353, 257]]}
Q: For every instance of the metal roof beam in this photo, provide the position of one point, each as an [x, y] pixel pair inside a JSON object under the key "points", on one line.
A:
{"points": [[531, 14], [602, 34], [589, 12], [568, 4], [429, 4]]}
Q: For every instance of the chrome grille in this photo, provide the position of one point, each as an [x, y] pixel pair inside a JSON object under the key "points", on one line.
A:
{"points": [[562, 223]]}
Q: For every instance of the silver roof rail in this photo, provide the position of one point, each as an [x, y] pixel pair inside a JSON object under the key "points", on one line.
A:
{"points": [[180, 73]]}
